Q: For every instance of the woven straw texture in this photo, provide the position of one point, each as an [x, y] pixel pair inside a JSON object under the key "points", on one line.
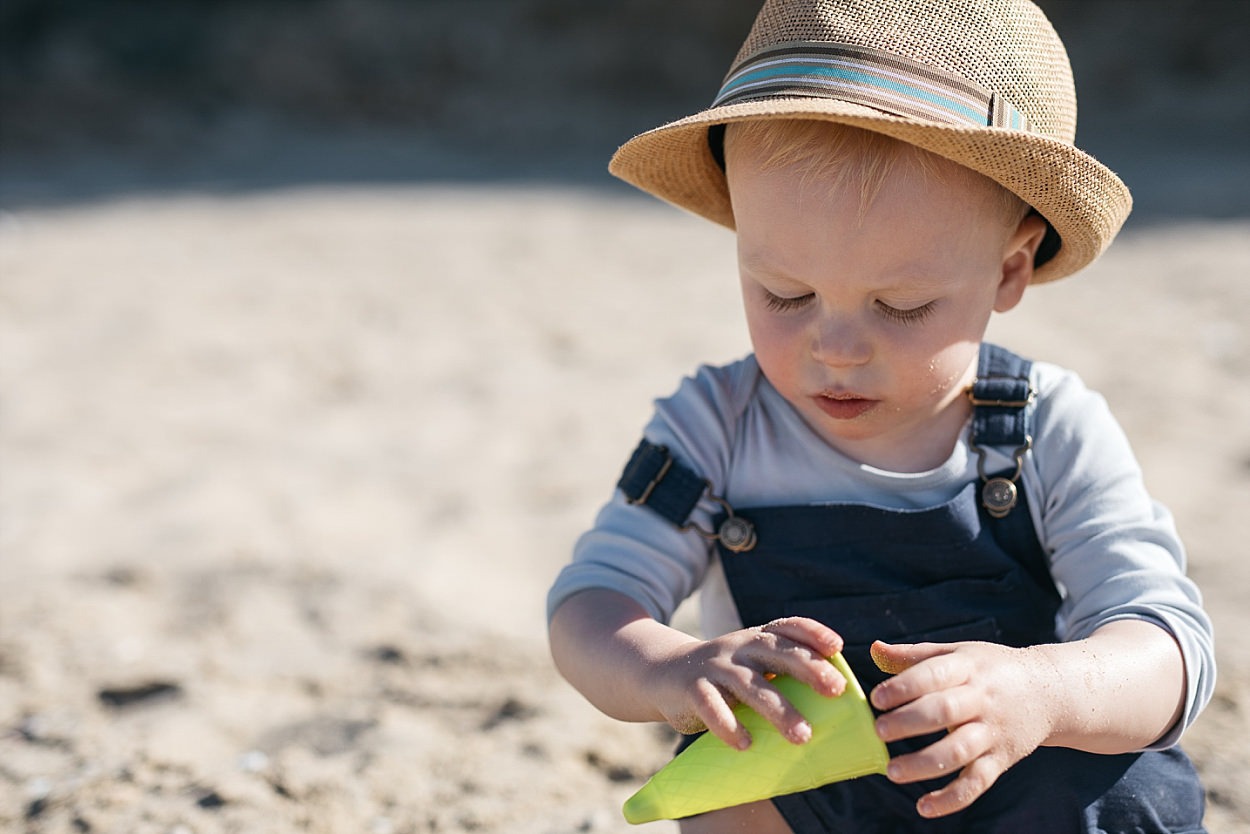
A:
{"points": [[1005, 46]]}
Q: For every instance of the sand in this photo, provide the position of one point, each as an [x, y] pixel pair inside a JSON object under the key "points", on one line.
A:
{"points": [[286, 474]]}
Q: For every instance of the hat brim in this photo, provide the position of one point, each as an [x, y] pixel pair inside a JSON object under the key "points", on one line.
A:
{"points": [[1083, 200]]}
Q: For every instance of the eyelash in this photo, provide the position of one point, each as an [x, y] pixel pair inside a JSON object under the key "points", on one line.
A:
{"points": [[778, 304], [912, 316]]}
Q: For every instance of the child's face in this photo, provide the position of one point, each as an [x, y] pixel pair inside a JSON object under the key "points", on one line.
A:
{"points": [[868, 320]]}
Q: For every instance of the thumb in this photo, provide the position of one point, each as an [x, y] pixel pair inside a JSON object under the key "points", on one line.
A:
{"points": [[893, 658]]}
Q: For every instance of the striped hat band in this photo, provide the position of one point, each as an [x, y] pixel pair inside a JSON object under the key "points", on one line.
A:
{"points": [[870, 77]]}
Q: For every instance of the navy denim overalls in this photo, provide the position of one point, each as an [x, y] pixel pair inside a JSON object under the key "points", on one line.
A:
{"points": [[955, 572]]}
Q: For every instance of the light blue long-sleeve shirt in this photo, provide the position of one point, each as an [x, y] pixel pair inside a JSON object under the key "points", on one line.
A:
{"points": [[1114, 552]]}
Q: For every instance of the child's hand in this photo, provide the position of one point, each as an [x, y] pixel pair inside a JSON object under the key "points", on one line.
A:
{"points": [[993, 700], [698, 685]]}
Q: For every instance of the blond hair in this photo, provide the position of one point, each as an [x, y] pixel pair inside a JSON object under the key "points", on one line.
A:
{"points": [[838, 156]]}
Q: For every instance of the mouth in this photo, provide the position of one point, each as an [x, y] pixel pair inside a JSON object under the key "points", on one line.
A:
{"points": [[844, 406]]}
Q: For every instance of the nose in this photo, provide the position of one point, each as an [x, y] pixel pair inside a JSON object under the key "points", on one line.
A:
{"points": [[840, 342]]}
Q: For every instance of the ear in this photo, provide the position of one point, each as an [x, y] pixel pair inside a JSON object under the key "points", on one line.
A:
{"points": [[1017, 267]]}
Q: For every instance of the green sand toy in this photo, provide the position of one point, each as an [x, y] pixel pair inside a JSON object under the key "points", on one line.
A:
{"points": [[710, 774]]}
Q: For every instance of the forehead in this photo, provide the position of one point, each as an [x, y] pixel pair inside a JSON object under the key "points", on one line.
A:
{"points": [[913, 194], [840, 157], [892, 217]]}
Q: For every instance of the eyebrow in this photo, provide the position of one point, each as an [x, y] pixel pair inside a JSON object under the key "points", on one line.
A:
{"points": [[764, 262], [910, 279], [913, 279]]}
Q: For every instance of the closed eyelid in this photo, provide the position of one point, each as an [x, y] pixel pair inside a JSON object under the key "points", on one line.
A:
{"points": [[908, 315], [779, 293], [904, 306], [781, 304]]}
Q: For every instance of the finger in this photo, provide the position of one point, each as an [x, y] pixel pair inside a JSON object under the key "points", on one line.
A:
{"points": [[930, 713], [715, 711], [779, 652], [966, 745], [973, 781], [764, 698], [817, 672], [893, 658], [716, 696], [808, 632], [932, 672]]}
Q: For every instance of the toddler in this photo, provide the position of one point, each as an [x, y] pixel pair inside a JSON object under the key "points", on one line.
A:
{"points": [[968, 527]]}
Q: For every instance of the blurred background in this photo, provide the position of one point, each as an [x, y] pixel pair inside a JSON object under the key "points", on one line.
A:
{"points": [[324, 332], [249, 93]]}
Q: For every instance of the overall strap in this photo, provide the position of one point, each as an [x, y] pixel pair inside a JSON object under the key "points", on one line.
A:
{"points": [[1002, 415], [656, 479], [1001, 395]]}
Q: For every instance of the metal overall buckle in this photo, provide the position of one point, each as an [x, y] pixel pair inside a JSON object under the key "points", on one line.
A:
{"points": [[735, 533], [999, 494]]}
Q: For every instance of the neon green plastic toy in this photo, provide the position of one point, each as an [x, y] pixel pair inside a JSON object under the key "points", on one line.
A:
{"points": [[709, 774]]}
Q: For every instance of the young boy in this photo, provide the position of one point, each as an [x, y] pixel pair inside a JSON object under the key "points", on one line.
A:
{"points": [[969, 528]]}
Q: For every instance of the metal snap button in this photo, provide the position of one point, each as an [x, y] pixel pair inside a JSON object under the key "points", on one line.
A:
{"points": [[736, 534], [998, 496]]}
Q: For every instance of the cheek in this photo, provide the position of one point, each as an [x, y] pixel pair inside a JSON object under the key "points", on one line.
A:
{"points": [[950, 367], [771, 335], [778, 348], [946, 346]]}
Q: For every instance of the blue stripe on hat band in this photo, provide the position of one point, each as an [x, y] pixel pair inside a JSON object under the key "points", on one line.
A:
{"points": [[843, 79], [874, 78], [894, 70]]}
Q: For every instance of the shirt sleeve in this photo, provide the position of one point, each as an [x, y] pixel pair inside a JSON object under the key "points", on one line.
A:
{"points": [[1115, 553], [633, 550]]}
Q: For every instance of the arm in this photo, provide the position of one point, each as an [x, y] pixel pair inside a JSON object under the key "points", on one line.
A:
{"points": [[637, 669], [608, 608], [1135, 661], [1115, 551], [1118, 690]]}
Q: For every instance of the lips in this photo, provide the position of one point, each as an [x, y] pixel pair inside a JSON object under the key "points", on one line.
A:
{"points": [[844, 406]]}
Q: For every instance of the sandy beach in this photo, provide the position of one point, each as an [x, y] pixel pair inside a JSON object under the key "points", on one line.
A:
{"points": [[286, 474]]}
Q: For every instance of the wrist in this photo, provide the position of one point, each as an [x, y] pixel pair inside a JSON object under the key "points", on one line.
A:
{"points": [[1116, 691], [1058, 711]]}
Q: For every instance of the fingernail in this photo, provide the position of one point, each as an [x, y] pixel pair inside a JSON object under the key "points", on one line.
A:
{"points": [[743, 743], [893, 772], [802, 733]]}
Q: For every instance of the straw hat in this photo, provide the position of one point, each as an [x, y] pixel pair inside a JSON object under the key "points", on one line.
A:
{"points": [[985, 83]]}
